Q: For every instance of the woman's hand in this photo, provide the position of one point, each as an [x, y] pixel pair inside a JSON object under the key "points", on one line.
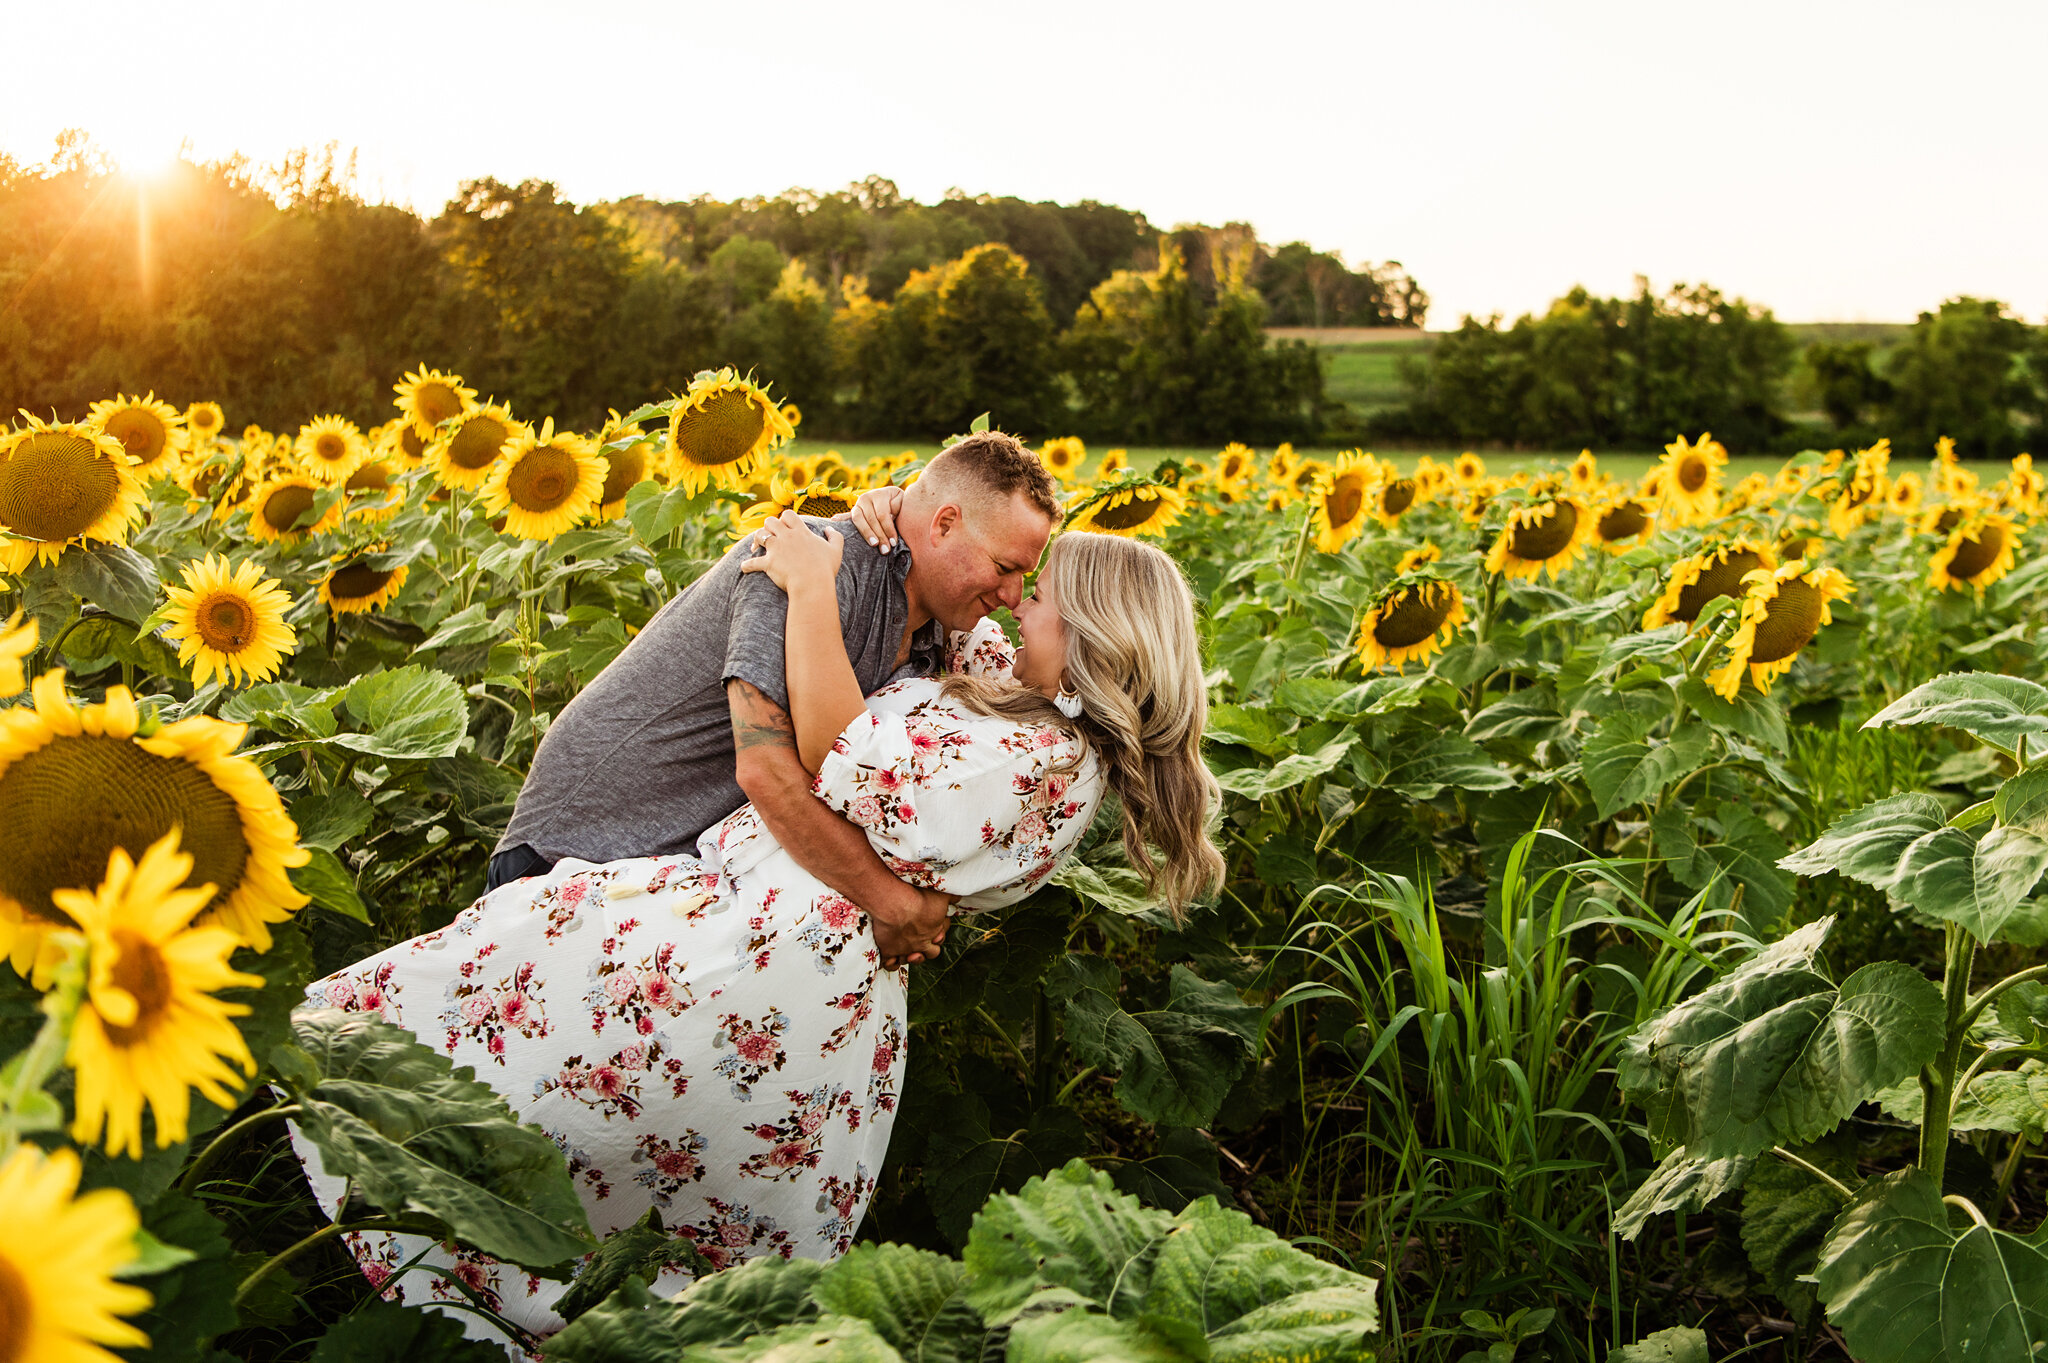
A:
{"points": [[786, 550], [874, 515]]}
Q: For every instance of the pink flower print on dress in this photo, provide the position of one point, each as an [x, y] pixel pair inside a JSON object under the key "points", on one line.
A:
{"points": [[477, 1008], [866, 811], [1031, 827], [341, 994], [633, 1057], [839, 914], [606, 1082], [658, 990], [755, 1050], [620, 986], [516, 1010]]}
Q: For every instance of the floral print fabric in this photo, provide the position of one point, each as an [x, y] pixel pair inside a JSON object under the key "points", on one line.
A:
{"points": [[714, 1035]]}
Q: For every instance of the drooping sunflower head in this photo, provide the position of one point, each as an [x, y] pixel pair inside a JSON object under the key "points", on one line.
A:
{"points": [[1409, 621], [59, 483], [1584, 476], [1699, 578], [1418, 558], [1343, 501], [276, 509], [544, 486], [355, 582], [720, 428], [1131, 510], [153, 433], [373, 492], [329, 449], [150, 1030], [1394, 496], [229, 621], [1113, 463], [1468, 470], [1062, 457], [1782, 609], [428, 397], [1691, 484], [59, 1293], [1947, 466], [1978, 552], [1905, 496], [79, 781], [1861, 495], [1799, 540], [625, 468], [204, 421], [1308, 475], [478, 439], [1624, 523], [1541, 537], [1235, 465]]}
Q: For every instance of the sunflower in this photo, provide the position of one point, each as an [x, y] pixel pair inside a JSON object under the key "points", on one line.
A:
{"points": [[1798, 540], [720, 429], [463, 456], [1137, 509], [148, 1029], [17, 641], [1699, 578], [1584, 476], [1309, 474], [1062, 457], [1468, 470], [354, 585], [62, 482], [203, 422], [59, 1257], [544, 486], [1782, 609], [1235, 466], [792, 414], [1544, 535], [79, 781], [1474, 501], [428, 397], [152, 432], [1863, 493], [231, 620], [1409, 622], [398, 443], [624, 470], [1343, 501], [1691, 483], [1622, 524], [1280, 468], [1979, 552], [371, 495], [1753, 491], [2023, 487], [329, 449], [275, 509], [1433, 478], [1113, 462], [1904, 499], [1949, 473], [1393, 496], [1415, 559], [1278, 500]]}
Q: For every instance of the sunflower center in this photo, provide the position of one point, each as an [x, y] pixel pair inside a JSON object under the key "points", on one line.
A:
{"points": [[415, 448], [1722, 578], [371, 477], [1131, 514], [282, 509], [17, 1313], [1346, 499], [55, 486], [71, 802], [140, 433], [543, 479], [1398, 497], [725, 429], [436, 402], [206, 479], [1793, 618], [1692, 473], [330, 447], [1859, 493], [1410, 618], [1974, 554], [824, 504], [1948, 520], [477, 442], [1621, 521], [625, 469], [227, 622], [1546, 535], [1233, 468], [140, 969], [358, 582]]}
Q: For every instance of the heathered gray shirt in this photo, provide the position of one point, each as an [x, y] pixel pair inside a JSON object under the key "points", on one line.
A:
{"points": [[641, 761]]}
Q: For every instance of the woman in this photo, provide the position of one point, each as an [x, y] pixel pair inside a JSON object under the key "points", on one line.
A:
{"points": [[716, 1035]]}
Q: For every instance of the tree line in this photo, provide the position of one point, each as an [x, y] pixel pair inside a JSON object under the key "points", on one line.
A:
{"points": [[282, 293]]}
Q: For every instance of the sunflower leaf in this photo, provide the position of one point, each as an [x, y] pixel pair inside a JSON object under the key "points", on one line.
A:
{"points": [[110, 575], [412, 712], [1624, 767], [1683, 1180], [2000, 710]]}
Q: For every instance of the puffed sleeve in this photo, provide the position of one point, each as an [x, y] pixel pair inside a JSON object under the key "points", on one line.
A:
{"points": [[983, 651], [975, 806]]}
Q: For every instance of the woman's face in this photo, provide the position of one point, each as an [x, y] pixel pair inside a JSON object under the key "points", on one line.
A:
{"points": [[1043, 655]]}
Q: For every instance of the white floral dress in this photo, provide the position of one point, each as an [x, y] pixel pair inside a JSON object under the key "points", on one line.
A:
{"points": [[715, 1035]]}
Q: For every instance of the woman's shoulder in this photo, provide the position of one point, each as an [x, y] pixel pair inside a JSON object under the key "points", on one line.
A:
{"points": [[984, 651]]}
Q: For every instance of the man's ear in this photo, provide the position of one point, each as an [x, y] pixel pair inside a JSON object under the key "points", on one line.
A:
{"points": [[945, 521]]}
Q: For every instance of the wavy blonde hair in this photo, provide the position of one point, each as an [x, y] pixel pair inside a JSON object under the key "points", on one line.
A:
{"points": [[1135, 658]]}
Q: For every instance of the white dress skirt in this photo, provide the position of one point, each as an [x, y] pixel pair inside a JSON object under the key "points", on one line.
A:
{"points": [[715, 1035]]}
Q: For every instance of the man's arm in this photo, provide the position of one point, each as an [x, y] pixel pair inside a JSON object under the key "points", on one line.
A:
{"points": [[905, 919]]}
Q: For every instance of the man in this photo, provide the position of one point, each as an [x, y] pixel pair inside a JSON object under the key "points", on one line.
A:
{"points": [[692, 719]]}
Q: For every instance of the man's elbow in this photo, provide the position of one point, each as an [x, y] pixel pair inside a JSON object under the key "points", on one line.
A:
{"points": [[768, 776]]}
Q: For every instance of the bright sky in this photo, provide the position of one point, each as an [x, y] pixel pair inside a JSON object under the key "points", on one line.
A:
{"points": [[1857, 161]]}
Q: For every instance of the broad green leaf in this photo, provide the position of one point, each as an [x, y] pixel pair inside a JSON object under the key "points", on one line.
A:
{"points": [[192, 1302], [828, 1339], [1423, 769], [1316, 698], [382, 1331], [1682, 1180], [329, 818], [914, 1299], [412, 712], [1252, 726], [330, 885], [642, 1250], [419, 1136], [1649, 645], [1327, 1323], [1523, 714], [1679, 1344], [112, 576], [1116, 888], [1786, 1213], [630, 1326], [1080, 1336], [1174, 1064], [1867, 845], [1009, 950], [968, 1163], [1221, 1274], [1904, 1285], [1185, 1168], [1070, 1230], [759, 1295], [285, 709], [1997, 1100], [1752, 714], [1999, 710], [1623, 767], [1773, 1053], [102, 637], [1256, 783], [471, 625]]}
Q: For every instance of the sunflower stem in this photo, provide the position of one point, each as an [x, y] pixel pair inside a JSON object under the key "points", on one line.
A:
{"points": [[189, 1179], [291, 1252], [31, 1069]]}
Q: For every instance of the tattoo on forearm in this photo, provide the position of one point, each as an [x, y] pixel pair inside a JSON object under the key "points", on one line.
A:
{"points": [[759, 722]]}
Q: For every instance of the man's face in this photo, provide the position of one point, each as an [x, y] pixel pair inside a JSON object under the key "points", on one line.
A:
{"points": [[978, 558]]}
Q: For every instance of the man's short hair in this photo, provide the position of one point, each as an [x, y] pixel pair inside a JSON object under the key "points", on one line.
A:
{"points": [[999, 465]]}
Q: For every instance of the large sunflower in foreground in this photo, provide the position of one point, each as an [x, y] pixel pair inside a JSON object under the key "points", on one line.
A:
{"points": [[354, 585], [1691, 481], [1140, 509], [720, 429], [275, 508], [59, 1298], [152, 432], [466, 451], [79, 781], [60, 483], [229, 622], [1979, 552], [1544, 536], [1344, 501], [1622, 524], [427, 397], [329, 449], [149, 1029], [1409, 622], [17, 641], [1782, 609], [1699, 578], [544, 486]]}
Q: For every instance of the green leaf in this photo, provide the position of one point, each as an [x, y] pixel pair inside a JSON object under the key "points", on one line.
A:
{"points": [[412, 712], [1256, 783], [330, 885], [1773, 1053], [653, 510], [1623, 767], [2023, 800], [421, 1137], [1070, 1230], [1786, 1213], [967, 1163], [381, 1331], [1521, 714], [1868, 844], [1998, 1100], [1752, 714], [1086, 1337], [1187, 1167], [112, 576], [1254, 727], [828, 1339], [331, 817], [643, 1250], [1012, 948], [1905, 1286], [471, 625], [1679, 1344], [756, 1296], [285, 709], [1662, 642], [1682, 1179], [630, 1326], [103, 637], [1999, 710], [192, 1301], [1424, 769], [1176, 1064], [1218, 1268], [914, 1299], [1116, 888]]}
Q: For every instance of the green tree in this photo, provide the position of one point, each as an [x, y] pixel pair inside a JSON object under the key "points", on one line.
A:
{"points": [[1959, 373], [1847, 386], [786, 337]]}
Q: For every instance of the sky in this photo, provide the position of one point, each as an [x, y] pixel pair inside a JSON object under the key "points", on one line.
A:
{"points": [[1836, 162]]}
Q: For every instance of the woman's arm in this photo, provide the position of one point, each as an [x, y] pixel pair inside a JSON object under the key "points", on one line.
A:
{"points": [[824, 695]]}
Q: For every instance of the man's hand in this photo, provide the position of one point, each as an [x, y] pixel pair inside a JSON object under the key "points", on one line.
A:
{"points": [[917, 933]]}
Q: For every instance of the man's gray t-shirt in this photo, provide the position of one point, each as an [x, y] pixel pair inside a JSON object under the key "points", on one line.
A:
{"points": [[641, 762]]}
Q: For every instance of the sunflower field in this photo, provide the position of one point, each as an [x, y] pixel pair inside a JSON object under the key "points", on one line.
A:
{"points": [[1630, 949]]}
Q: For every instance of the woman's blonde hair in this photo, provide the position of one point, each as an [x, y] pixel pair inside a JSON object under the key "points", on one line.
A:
{"points": [[1134, 657]]}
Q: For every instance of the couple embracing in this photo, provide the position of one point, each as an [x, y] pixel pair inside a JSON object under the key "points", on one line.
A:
{"points": [[689, 966]]}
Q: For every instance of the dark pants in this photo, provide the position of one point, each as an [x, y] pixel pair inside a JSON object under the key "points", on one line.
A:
{"points": [[515, 863]]}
